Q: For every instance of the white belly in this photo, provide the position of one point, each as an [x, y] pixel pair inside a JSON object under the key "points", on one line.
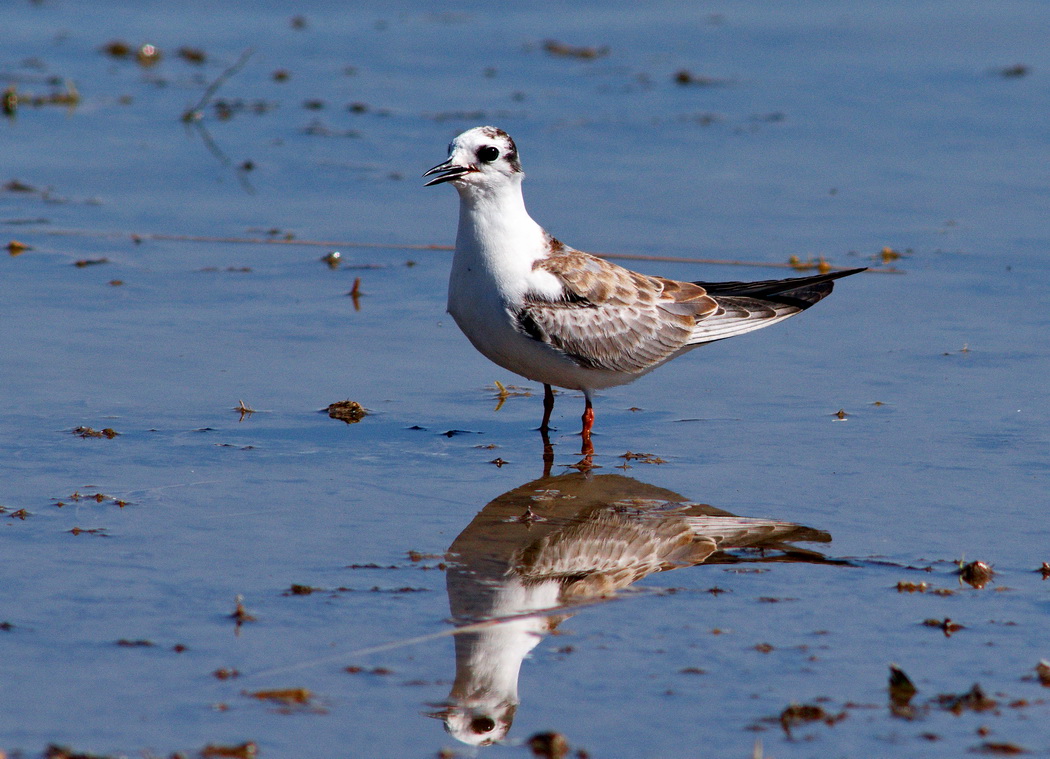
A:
{"points": [[488, 321]]}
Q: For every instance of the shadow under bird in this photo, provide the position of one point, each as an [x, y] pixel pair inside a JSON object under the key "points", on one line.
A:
{"points": [[557, 315]]}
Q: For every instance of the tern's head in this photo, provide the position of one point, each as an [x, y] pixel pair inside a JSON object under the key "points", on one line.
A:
{"points": [[482, 157], [478, 725]]}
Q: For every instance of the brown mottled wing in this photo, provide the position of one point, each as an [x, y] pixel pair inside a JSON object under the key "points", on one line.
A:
{"points": [[610, 318]]}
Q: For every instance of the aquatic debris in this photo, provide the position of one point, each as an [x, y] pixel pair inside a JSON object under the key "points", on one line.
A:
{"points": [[246, 750], [81, 263], [347, 411], [54, 751], [87, 432], [1042, 669], [902, 690], [1014, 72], [191, 55], [148, 55], [912, 587], [318, 128], [225, 673], [644, 458], [283, 696], [561, 50], [973, 700], [503, 392], [117, 49], [96, 497], [886, 255], [140, 643], [12, 98], [300, 590], [10, 101], [548, 745], [288, 700], [976, 574], [820, 265], [16, 186], [20, 514], [243, 410], [195, 113], [798, 714], [840, 415], [240, 615], [354, 670], [510, 391], [355, 293], [100, 531], [685, 77], [945, 625], [1000, 748]]}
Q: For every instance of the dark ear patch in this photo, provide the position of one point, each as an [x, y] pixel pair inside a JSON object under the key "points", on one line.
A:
{"points": [[511, 152], [512, 157]]}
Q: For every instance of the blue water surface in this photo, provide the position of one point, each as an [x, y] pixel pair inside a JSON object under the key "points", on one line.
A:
{"points": [[807, 130]]}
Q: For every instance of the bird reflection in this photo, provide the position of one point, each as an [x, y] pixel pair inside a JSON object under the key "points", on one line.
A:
{"points": [[537, 552]]}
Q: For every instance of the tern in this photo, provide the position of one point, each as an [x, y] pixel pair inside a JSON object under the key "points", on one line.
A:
{"points": [[565, 318]]}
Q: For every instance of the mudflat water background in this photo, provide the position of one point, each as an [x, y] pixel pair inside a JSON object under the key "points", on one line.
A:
{"points": [[812, 130]]}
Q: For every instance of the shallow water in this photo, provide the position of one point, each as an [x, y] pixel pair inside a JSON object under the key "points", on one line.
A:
{"points": [[827, 131]]}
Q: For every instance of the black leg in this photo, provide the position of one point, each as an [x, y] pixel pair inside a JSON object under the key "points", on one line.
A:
{"points": [[548, 407]]}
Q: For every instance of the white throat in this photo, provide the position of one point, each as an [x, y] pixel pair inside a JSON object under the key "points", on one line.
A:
{"points": [[496, 233]]}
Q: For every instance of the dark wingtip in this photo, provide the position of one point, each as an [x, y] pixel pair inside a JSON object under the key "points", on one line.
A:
{"points": [[800, 292]]}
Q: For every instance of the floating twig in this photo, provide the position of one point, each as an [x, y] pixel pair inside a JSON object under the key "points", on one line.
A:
{"points": [[196, 112], [164, 237]]}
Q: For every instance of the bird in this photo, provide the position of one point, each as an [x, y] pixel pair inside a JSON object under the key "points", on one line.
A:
{"points": [[565, 318]]}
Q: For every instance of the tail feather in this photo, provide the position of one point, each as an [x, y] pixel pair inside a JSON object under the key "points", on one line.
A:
{"points": [[747, 306]]}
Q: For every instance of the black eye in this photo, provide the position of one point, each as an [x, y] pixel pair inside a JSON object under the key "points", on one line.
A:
{"points": [[488, 154], [481, 725]]}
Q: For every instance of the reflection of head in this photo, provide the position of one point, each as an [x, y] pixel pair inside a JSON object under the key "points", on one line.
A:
{"points": [[479, 725]]}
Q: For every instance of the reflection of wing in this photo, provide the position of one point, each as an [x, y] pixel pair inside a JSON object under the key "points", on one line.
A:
{"points": [[616, 547], [557, 541]]}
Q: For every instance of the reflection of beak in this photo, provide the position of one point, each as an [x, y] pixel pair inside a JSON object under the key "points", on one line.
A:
{"points": [[447, 171]]}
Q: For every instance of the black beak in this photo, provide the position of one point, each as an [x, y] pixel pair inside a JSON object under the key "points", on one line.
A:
{"points": [[447, 171]]}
